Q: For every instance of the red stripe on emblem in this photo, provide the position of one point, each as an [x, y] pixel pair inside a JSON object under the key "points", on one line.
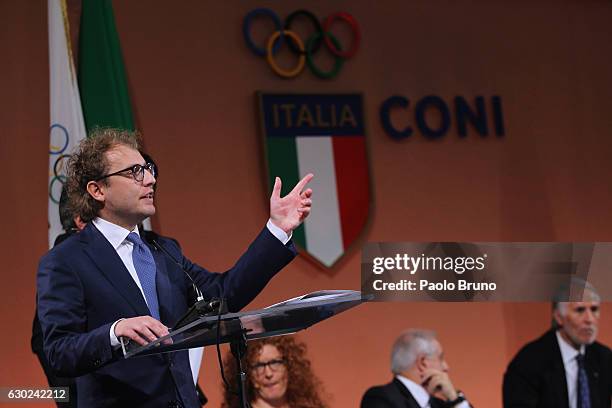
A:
{"points": [[352, 180]]}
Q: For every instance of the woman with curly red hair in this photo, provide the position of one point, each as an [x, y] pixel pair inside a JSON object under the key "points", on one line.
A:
{"points": [[279, 376]]}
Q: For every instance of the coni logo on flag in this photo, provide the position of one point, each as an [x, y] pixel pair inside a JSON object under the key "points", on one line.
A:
{"points": [[324, 135]]}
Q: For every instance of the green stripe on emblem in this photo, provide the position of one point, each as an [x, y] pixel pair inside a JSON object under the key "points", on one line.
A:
{"points": [[282, 162]]}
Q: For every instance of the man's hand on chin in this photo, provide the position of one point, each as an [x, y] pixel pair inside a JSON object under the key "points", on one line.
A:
{"points": [[438, 382]]}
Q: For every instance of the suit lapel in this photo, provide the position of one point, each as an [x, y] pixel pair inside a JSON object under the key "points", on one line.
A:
{"points": [[592, 368], [104, 256], [560, 379], [558, 371], [408, 399]]}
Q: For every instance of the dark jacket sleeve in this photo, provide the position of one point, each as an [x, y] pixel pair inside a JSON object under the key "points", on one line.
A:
{"points": [[240, 284], [70, 349], [520, 386]]}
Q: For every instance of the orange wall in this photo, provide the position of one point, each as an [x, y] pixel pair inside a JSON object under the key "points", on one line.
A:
{"points": [[192, 85]]}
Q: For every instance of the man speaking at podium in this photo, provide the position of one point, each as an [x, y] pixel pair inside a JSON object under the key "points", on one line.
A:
{"points": [[106, 282]]}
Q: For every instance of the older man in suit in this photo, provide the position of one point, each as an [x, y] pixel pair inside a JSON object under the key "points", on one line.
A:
{"points": [[421, 376], [566, 367], [107, 282]]}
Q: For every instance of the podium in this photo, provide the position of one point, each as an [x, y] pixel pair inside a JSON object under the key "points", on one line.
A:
{"points": [[281, 318]]}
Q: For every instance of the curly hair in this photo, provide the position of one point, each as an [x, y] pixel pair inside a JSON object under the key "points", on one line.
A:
{"points": [[304, 389], [89, 163]]}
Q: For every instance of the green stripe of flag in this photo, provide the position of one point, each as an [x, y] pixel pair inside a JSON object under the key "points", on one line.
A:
{"points": [[102, 80], [282, 162]]}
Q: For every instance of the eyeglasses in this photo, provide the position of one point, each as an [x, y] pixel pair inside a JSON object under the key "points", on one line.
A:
{"points": [[274, 365], [136, 171]]}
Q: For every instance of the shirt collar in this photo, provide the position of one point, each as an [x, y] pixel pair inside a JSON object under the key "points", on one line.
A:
{"points": [[114, 233], [568, 353], [418, 392]]}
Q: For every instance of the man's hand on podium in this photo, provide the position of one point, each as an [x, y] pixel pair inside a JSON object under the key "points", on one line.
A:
{"points": [[142, 330]]}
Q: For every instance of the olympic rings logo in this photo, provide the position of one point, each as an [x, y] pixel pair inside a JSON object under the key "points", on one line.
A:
{"points": [[57, 131], [305, 51]]}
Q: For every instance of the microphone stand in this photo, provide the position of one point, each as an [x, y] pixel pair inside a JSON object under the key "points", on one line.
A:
{"points": [[201, 307], [239, 347], [214, 306]]}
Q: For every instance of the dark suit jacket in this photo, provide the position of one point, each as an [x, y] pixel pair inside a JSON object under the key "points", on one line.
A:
{"points": [[84, 287], [536, 376], [394, 395]]}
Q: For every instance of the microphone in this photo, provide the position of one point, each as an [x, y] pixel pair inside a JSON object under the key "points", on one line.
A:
{"points": [[169, 255], [201, 307]]}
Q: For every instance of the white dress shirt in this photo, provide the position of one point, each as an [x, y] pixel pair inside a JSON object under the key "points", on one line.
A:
{"points": [[568, 355], [421, 395], [116, 236]]}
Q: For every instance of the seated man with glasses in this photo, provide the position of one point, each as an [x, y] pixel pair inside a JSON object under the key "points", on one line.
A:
{"points": [[107, 282], [279, 375]]}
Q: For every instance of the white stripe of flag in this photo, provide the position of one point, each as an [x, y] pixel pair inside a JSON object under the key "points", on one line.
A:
{"points": [[67, 126], [322, 227]]}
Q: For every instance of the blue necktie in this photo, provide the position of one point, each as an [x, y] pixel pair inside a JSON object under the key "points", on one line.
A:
{"points": [[584, 396], [145, 269]]}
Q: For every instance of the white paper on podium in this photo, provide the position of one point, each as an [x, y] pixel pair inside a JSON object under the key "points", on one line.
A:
{"points": [[313, 297]]}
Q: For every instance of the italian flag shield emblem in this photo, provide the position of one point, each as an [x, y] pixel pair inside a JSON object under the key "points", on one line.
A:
{"points": [[322, 134]]}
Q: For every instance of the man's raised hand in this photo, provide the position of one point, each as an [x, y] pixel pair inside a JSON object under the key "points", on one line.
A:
{"points": [[290, 211]]}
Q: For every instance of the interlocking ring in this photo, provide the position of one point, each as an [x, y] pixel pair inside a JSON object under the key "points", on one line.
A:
{"points": [[61, 179], [315, 23], [304, 50], [270, 54], [66, 137], [356, 32], [246, 29], [339, 60], [60, 132]]}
